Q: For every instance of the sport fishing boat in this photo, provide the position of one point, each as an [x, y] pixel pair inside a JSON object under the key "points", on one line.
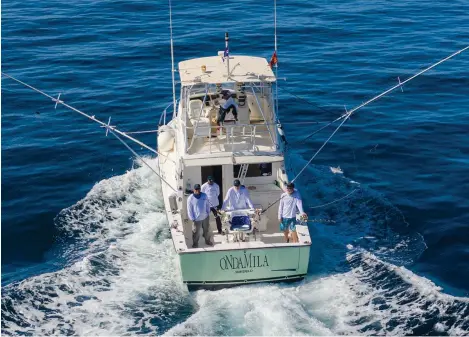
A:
{"points": [[249, 147]]}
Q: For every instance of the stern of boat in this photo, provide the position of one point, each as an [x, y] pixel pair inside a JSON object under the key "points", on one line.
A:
{"points": [[207, 268]]}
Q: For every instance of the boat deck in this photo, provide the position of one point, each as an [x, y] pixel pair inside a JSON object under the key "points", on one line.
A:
{"points": [[262, 239]]}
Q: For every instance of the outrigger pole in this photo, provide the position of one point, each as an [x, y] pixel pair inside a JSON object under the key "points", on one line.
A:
{"points": [[172, 59], [109, 128], [349, 113]]}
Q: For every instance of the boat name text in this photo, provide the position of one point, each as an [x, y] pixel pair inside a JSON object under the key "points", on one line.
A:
{"points": [[247, 261]]}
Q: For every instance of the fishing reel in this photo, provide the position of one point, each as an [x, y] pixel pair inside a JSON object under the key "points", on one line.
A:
{"points": [[302, 219]]}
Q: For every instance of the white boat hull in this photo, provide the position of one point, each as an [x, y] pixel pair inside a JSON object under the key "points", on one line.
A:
{"points": [[218, 269]]}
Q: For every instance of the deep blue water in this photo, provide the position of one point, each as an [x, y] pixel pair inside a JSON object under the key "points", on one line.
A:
{"points": [[84, 245]]}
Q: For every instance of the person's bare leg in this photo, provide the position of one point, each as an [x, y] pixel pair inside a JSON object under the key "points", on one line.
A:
{"points": [[286, 235], [294, 236]]}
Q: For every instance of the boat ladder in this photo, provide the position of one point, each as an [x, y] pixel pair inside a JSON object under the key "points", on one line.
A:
{"points": [[243, 170]]}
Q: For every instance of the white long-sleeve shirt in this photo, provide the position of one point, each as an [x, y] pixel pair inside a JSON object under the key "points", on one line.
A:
{"points": [[212, 191], [237, 199], [288, 205], [198, 209]]}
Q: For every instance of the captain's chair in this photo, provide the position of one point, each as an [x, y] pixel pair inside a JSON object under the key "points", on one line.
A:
{"points": [[195, 106], [240, 222], [198, 118]]}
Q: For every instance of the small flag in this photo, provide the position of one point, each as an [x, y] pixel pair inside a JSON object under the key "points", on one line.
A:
{"points": [[273, 60], [226, 54]]}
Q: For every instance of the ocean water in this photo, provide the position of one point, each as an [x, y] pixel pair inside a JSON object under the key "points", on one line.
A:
{"points": [[85, 245]]}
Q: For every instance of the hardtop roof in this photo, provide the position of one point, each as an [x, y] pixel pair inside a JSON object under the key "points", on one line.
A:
{"points": [[242, 69]]}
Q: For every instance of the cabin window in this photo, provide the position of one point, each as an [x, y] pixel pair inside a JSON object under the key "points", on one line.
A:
{"points": [[254, 170]]}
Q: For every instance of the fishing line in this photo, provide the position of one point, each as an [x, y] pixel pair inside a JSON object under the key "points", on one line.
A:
{"points": [[143, 161], [305, 100], [320, 129], [336, 200], [139, 132]]}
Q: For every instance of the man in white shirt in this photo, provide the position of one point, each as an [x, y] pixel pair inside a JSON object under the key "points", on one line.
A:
{"points": [[290, 201], [236, 198], [212, 190], [229, 104], [198, 210]]}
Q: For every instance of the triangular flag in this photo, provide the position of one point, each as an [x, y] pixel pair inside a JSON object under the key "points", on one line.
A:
{"points": [[273, 60]]}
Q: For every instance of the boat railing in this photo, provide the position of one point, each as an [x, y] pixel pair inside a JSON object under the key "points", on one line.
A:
{"points": [[239, 133], [162, 120], [249, 136]]}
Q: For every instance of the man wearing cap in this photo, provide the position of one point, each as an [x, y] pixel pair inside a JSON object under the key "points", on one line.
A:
{"points": [[198, 210], [290, 201], [229, 104], [236, 198], [212, 190]]}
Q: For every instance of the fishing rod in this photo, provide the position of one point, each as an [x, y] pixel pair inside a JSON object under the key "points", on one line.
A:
{"points": [[109, 128], [347, 114]]}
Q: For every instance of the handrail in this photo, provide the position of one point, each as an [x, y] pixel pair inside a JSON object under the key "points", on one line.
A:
{"points": [[262, 112], [163, 115], [232, 134], [231, 127]]}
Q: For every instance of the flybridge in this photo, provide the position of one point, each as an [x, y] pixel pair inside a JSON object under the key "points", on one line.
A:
{"points": [[243, 121], [249, 124]]}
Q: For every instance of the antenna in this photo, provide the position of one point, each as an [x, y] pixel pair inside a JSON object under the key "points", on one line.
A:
{"points": [[227, 55], [172, 58]]}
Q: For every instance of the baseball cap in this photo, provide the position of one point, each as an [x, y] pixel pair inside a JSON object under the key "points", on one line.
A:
{"points": [[209, 178], [290, 185], [236, 182], [196, 187]]}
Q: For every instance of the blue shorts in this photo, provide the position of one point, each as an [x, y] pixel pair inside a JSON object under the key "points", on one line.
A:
{"points": [[288, 223]]}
